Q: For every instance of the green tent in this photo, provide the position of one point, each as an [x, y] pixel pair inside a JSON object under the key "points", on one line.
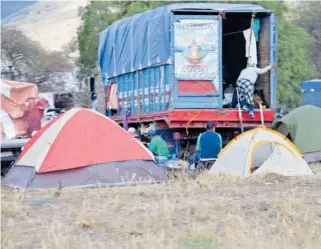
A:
{"points": [[303, 127]]}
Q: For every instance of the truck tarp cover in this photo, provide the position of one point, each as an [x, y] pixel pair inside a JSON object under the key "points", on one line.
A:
{"points": [[143, 40], [21, 109]]}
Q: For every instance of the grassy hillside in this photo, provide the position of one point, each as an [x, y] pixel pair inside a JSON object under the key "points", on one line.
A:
{"points": [[53, 23]]}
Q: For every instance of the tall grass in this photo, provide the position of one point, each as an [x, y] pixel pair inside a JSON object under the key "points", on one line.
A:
{"points": [[209, 212]]}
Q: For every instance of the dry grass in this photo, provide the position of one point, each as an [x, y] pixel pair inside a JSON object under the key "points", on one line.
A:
{"points": [[210, 212]]}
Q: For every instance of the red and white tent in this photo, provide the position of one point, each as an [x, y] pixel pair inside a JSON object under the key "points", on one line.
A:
{"points": [[83, 148]]}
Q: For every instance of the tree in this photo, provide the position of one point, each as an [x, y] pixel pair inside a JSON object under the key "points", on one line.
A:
{"points": [[25, 60], [293, 43], [294, 63], [308, 16], [95, 18]]}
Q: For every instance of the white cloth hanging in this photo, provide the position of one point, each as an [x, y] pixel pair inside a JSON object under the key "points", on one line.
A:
{"points": [[250, 49], [112, 98]]}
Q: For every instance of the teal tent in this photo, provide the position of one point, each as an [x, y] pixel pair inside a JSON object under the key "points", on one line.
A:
{"points": [[303, 127]]}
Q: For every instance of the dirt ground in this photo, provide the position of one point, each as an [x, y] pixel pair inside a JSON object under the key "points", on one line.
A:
{"points": [[210, 212]]}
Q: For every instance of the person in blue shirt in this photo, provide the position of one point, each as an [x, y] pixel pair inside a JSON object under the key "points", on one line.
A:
{"points": [[209, 143]]}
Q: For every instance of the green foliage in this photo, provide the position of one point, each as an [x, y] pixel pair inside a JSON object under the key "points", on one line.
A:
{"points": [[137, 7], [96, 17], [23, 59], [308, 17], [294, 64]]}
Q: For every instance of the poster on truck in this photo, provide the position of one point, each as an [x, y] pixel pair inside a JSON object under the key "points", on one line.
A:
{"points": [[197, 49]]}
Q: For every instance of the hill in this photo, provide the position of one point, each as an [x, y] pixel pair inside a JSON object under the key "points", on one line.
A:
{"points": [[52, 23]]}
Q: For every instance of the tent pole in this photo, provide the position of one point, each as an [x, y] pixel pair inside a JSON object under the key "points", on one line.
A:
{"points": [[261, 113]]}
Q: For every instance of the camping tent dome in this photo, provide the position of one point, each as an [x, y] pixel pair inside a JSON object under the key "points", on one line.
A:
{"points": [[83, 148], [302, 127], [261, 150]]}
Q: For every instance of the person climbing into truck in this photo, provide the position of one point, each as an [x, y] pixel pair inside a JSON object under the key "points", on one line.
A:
{"points": [[245, 86], [209, 144], [157, 144]]}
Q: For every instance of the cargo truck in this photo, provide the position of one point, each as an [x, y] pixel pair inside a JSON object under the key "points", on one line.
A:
{"points": [[173, 67]]}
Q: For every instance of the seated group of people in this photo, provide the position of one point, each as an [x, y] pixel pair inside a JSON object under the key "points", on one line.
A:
{"points": [[156, 144], [209, 144]]}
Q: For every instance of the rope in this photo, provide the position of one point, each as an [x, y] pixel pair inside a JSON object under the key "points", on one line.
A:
{"points": [[199, 112], [195, 116], [191, 120], [232, 33]]}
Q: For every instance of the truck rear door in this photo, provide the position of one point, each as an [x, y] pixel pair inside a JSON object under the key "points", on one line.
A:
{"points": [[197, 55], [273, 59]]}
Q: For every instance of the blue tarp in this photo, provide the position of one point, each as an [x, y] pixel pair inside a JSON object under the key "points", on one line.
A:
{"points": [[312, 92], [311, 85], [143, 40]]}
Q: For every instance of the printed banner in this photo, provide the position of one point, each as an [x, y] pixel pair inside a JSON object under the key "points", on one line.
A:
{"points": [[197, 49]]}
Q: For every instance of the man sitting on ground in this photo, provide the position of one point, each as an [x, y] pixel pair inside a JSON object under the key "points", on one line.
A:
{"points": [[157, 144], [209, 143]]}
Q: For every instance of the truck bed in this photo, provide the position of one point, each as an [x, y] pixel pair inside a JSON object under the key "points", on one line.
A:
{"points": [[197, 118]]}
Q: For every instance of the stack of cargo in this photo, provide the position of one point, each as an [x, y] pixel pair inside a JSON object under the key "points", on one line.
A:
{"points": [[21, 109]]}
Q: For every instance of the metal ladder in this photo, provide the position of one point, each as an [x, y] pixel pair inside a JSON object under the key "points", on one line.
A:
{"points": [[261, 111], [239, 110], [261, 114]]}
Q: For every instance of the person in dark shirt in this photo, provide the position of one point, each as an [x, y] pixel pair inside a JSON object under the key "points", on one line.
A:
{"points": [[209, 143]]}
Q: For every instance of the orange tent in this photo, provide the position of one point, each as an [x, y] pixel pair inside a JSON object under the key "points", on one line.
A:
{"points": [[83, 148]]}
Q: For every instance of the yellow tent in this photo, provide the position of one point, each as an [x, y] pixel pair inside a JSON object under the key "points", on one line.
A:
{"points": [[261, 150]]}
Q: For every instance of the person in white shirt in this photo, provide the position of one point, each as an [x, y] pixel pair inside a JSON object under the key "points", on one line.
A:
{"points": [[245, 84]]}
